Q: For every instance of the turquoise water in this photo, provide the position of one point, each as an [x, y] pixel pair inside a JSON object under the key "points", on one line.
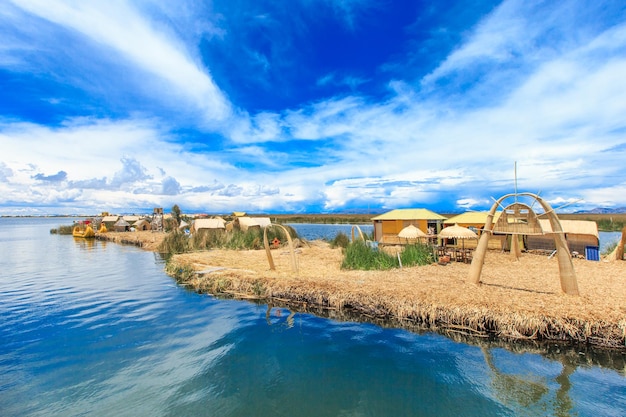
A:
{"points": [[95, 328]]}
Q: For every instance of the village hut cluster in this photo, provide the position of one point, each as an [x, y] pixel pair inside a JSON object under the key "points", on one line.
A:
{"points": [[505, 305], [457, 236]]}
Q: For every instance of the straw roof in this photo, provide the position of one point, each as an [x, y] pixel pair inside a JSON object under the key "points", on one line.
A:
{"points": [[131, 219], [246, 222], [110, 218], [409, 214], [411, 232], [580, 227], [457, 232], [208, 224], [142, 224], [122, 223], [472, 217]]}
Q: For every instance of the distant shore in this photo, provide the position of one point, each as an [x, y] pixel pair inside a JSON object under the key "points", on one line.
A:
{"points": [[518, 300]]}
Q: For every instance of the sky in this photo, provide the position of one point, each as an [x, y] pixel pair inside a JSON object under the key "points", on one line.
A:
{"points": [[310, 106]]}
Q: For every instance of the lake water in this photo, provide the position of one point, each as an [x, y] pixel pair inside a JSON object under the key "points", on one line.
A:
{"points": [[98, 329]]}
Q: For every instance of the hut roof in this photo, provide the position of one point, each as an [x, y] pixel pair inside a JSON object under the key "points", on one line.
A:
{"points": [[409, 214], [110, 218], [580, 227], [131, 219], [140, 222], [122, 223], [472, 217], [208, 224], [239, 213], [254, 221]]}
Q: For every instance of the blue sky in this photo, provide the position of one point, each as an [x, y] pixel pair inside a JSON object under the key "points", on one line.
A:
{"points": [[310, 105]]}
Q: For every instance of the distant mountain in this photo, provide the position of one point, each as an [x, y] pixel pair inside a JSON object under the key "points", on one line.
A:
{"points": [[603, 210]]}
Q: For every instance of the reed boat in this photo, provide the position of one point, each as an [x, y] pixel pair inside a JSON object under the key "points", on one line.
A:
{"points": [[84, 230]]}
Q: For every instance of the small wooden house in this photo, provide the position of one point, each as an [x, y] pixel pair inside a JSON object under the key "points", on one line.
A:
{"points": [[388, 225]]}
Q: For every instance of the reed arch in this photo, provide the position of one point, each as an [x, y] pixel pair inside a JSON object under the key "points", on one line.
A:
{"points": [[569, 284], [359, 233], [268, 252]]}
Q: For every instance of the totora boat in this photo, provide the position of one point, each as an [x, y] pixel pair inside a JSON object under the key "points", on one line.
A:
{"points": [[84, 230]]}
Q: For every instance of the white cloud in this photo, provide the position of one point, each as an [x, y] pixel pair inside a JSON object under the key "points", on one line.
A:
{"points": [[119, 26]]}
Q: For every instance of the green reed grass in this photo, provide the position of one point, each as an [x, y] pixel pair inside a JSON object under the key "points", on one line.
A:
{"points": [[178, 242], [341, 240], [62, 230], [418, 254], [359, 256]]}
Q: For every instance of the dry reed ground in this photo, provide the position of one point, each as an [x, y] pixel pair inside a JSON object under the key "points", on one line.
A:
{"points": [[517, 300], [147, 239]]}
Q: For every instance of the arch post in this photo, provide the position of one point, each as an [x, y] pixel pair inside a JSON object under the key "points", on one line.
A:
{"points": [[476, 267], [268, 252], [569, 284]]}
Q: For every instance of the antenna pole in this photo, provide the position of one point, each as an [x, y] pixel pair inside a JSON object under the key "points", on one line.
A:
{"points": [[515, 174]]}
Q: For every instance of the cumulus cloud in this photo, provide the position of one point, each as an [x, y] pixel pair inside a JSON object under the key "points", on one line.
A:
{"points": [[132, 172], [58, 177], [170, 186], [5, 172]]}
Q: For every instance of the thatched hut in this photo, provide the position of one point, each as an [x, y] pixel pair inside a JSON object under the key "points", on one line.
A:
{"points": [[142, 224], [246, 223], [388, 225], [131, 218], [579, 234], [109, 221], [121, 225], [207, 224]]}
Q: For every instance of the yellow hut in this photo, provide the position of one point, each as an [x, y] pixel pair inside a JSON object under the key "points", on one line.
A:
{"points": [[388, 225]]}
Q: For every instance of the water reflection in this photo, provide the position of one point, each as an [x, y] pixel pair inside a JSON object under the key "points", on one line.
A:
{"points": [[289, 321], [89, 329]]}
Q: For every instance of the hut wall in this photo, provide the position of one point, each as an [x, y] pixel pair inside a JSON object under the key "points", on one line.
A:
{"points": [[378, 231], [540, 242], [387, 230], [578, 242], [575, 242]]}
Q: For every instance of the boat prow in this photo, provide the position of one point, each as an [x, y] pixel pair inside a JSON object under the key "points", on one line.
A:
{"points": [[83, 231]]}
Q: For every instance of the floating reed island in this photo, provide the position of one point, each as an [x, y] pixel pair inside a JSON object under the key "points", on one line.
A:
{"points": [[518, 300]]}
